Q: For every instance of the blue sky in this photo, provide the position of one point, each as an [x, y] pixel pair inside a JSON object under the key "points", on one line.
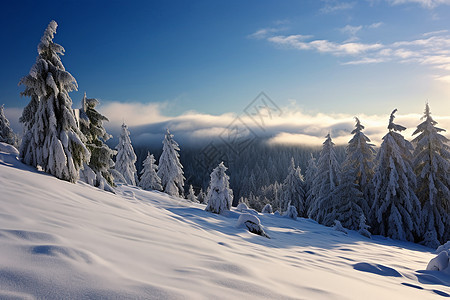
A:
{"points": [[214, 57]]}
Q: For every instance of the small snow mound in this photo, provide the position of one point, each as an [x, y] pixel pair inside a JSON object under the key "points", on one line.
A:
{"points": [[9, 149], [444, 247], [241, 207], [440, 263], [129, 194], [252, 223], [338, 227]]}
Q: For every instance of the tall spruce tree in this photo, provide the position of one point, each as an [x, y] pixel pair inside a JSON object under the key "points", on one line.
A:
{"points": [[126, 158], [170, 169], [7, 135], [396, 207], [310, 188], [52, 139], [432, 167], [149, 177], [326, 181], [347, 201], [359, 160], [293, 190], [101, 162], [220, 196]]}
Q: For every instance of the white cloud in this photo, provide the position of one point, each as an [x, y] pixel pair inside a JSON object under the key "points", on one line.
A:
{"points": [[292, 127], [264, 33], [336, 6], [425, 3], [323, 46], [375, 25]]}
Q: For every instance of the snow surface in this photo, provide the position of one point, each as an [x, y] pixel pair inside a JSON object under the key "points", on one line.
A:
{"points": [[63, 240]]}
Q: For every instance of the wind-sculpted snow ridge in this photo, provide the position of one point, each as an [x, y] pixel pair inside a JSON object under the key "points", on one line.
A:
{"points": [[60, 240]]}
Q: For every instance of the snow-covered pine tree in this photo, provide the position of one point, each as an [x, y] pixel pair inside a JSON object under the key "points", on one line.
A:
{"points": [[149, 177], [360, 155], [326, 181], [201, 196], [191, 195], [310, 189], [52, 139], [126, 158], [170, 169], [396, 207], [293, 190], [347, 201], [363, 227], [219, 196], [101, 162], [6, 133], [432, 167]]}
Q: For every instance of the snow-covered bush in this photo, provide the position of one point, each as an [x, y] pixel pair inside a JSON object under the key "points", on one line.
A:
{"points": [[252, 223], [219, 196], [126, 158], [170, 169], [52, 139], [7, 148], [444, 247], [149, 178], [241, 206], [191, 195], [267, 209], [338, 227], [440, 263], [201, 196], [6, 133], [363, 227], [291, 212]]}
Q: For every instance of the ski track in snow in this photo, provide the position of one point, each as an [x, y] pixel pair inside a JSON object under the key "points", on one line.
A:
{"points": [[61, 240]]}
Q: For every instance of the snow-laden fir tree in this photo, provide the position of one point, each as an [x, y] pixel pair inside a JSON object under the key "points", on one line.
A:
{"points": [[170, 169], [101, 162], [293, 190], [291, 212], [52, 139], [310, 174], [191, 195], [347, 201], [363, 227], [7, 135], [219, 196], [326, 181], [396, 207], [126, 158], [149, 177], [432, 167], [360, 155], [201, 196]]}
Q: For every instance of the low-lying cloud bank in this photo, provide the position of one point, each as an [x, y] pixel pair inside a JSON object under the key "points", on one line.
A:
{"points": [[288, 125]]}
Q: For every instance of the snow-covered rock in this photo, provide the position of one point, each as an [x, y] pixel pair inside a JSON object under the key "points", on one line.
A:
{"points": [[252, 223]]}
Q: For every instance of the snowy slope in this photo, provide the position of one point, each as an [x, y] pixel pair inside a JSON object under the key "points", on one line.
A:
{"points": [[63, 240]]}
